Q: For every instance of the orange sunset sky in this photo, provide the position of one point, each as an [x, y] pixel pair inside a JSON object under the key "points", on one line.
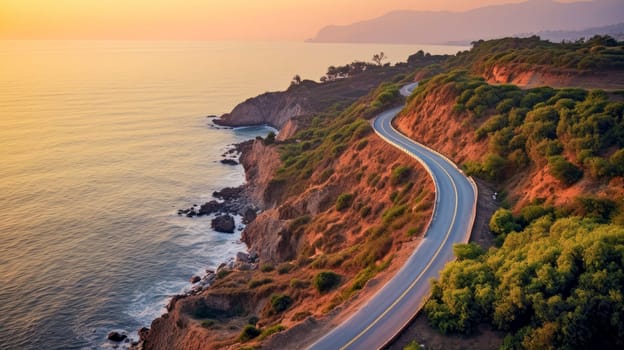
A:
{"points": [[198, 19]]}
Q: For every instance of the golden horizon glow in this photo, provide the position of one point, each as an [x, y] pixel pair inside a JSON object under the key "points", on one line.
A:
{"points": [[199, 19]]}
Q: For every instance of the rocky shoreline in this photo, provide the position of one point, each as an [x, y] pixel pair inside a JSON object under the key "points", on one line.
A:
{"points": [[227, 203]]}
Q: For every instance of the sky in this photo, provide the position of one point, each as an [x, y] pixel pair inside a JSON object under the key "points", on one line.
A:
{"points": [[199, 19]]}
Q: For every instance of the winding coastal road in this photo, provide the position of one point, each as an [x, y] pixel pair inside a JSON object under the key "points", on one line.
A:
{"points": [[392, 307]]}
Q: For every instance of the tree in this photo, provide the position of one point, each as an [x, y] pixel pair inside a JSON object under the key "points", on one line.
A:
{"points": [[326, 280], [378, 57], [564, 171], [296, 80], [270, 139], [503, 222]]}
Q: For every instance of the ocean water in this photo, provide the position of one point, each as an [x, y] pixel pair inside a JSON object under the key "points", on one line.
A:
{"points": [[100, 143]]}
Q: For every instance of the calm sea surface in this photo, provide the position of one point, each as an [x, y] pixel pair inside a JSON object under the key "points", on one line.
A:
{"points": [[100, 143]]}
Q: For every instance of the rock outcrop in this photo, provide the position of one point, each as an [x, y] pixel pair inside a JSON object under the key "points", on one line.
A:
{"points": [[116, 337], [271, 108], [535, 76], [224, 223], [308, 98], [229, 161]]}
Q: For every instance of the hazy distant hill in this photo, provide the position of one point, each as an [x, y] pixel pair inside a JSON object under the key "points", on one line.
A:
{"points": [[616, 31], [482, 23]]}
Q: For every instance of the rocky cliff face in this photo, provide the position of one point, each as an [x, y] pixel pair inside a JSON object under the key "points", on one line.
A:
{"points": [[433, 123], [306, 232], [535, 76], [260, 162], [309, 98], [300, 229], [272, 108]]}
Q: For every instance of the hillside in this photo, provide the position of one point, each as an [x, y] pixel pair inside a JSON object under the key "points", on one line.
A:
{"points": [[342, 209], [341, 86], [342, 212], [597, 62], [555, 156], [415, 27]]}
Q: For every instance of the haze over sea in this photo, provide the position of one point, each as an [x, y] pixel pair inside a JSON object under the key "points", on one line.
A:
{"points": [[100, 143]]}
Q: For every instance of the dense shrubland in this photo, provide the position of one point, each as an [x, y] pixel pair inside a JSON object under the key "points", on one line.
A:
{"points": [[555, 278], [556, 283], [329, 135], [596, 53], [572, 131]]}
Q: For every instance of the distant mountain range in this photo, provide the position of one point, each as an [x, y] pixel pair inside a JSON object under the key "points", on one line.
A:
{"points": [[441, 27]]}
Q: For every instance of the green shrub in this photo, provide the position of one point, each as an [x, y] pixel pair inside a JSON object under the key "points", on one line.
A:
{"points": [[300, 222], [617, 162], [320, 262], [326, 280], [394, 213], [531, 213], [248, 333], [326, 174], [362, 130], [284, 268], [494, 167], [254, 283], [270, 138], [503, 222], [564, 171], [344, 201], [598, 167], [362, 277], [280, 303], [222, 273], [400, 174], [467, 251], [597, 208], [266, 267], [272, 330], [493, 124], [360, 145], [373, 179]]}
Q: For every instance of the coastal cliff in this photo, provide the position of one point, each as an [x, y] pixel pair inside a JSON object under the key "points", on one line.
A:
{"points": [[302, 232], [333, 197], [272, 108], [295, 107], [342, 210]]}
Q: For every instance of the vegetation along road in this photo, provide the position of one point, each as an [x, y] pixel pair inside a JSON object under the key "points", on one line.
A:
{"points": [[384, 315]]}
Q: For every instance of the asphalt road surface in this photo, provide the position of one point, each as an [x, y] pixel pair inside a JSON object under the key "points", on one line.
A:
{"points": [[392, 307]]}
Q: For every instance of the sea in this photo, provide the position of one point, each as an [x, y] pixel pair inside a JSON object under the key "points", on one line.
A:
{"points": [[101, 142]]}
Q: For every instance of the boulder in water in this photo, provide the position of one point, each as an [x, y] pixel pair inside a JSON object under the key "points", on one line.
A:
{"points": [[224, 223], [229, 161], [116, 337]]}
